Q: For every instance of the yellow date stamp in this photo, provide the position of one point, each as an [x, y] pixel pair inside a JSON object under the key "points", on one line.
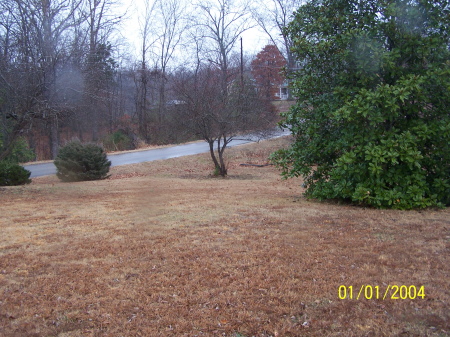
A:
{"points": [[391, 292]]}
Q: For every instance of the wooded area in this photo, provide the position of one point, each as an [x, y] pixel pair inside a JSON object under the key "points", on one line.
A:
{"points": [[65, 73]]}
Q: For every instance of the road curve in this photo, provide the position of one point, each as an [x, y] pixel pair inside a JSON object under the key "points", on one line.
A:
{"points": [[39, 170]]}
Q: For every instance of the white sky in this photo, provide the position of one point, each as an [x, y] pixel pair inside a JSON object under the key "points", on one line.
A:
{"points": [[254, 39]]}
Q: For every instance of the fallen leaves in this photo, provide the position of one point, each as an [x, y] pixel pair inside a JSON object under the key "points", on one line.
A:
{"points": [[160, 249]]}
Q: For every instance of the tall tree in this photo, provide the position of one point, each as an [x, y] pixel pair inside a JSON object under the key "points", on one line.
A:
{"points": [[173, 23], [267, 69], [101, 22], [221, 24], [371, 124], [12, 121], [143, 77]]}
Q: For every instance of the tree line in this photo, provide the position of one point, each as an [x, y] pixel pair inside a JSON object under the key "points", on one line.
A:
{"points": [[65, 73]]}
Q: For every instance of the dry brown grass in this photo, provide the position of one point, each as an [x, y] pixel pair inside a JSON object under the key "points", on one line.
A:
{"points": [[163, 249]]}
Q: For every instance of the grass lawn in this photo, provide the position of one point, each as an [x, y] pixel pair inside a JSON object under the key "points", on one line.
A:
{"points": [[164, 249]]}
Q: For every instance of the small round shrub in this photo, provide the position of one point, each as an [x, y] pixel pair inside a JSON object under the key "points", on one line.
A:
{"points": [[12, 174], [79, 162]]}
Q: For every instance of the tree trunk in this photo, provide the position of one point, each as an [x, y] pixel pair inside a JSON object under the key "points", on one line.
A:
{"points": [[143, 113], [54, 136], [94, 122], [162, 99], [221, 149], [217, 165]]}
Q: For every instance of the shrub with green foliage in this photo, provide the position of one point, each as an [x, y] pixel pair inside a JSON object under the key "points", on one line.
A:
{"points": [[372, 121], [12, 174], [20, 152], [118, 141], [78, 162]]}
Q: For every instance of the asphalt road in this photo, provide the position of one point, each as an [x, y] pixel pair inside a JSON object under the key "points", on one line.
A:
{"points": [[38, 170]]}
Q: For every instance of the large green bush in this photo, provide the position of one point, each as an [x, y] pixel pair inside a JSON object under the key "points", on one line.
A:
{"points": [[78, 162], [372, 121], [12, 174]]}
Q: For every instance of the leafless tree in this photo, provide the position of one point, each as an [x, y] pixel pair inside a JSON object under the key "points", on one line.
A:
{"points": [[170, 28], [142, 77], [216, 121], [101, 22], [11, 122], [53, 53], [218, 103], [223, 23]]}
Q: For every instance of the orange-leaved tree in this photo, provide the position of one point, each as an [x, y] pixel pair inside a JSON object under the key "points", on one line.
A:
{"points": [[267, 69]]}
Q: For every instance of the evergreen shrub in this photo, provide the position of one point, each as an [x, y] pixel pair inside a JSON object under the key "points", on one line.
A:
{"points": [[79, 162], [118, 141], [12, 174], [21, 151]]}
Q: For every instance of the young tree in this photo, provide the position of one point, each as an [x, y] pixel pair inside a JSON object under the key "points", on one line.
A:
{"points": [[214, 98], [207, 116], [371, 124], [79, 162], [267, 68]]}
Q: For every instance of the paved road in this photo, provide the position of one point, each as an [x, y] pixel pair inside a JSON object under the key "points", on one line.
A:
{"points": [[38, 170]]}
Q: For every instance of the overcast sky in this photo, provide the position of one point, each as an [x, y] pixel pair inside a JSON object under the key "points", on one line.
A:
{"points": [[254, 39]]}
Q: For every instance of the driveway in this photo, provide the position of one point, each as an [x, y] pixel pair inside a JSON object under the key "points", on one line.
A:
{"points": [[38, 170]]}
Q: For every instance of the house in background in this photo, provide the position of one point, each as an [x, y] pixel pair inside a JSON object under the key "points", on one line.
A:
{"points": [[268, 70], [283, 91]]}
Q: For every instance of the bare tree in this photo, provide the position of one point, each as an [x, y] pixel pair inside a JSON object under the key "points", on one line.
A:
{"points": [[223, 25], [162, 26], [143, 76], [218, 122], [101, 22], [45, 42], [170, 29], [12, 122], [219, 105]]}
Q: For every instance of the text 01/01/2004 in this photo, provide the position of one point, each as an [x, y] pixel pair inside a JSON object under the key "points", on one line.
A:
{"points": [[393, 292]]}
